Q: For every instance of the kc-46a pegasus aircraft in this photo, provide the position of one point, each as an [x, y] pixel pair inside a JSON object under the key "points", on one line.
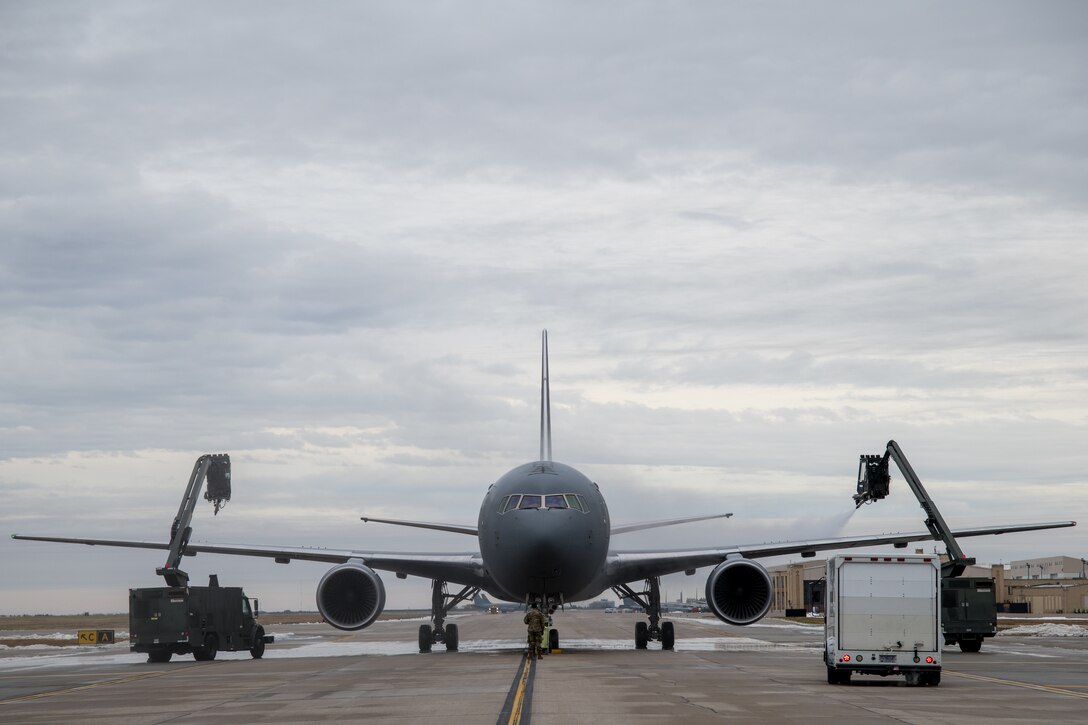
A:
{"points": [[545, 536]]}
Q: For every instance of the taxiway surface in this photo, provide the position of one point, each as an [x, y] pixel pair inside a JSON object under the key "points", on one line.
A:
{"points": [[768, 672]]}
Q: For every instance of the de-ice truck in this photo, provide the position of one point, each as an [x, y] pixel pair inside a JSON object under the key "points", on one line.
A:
{"points": [[883, 617]]}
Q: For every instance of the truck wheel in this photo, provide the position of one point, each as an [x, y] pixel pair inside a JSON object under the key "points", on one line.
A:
{"points": [[257, 650], [914, 678], [837, 677], [668, 635], [159, 655], [932, 678], [970, 645], [208, 651]]}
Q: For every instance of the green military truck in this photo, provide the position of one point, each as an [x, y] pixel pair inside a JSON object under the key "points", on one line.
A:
{"points": [[968, 611], [167, 621], [179, 619]]}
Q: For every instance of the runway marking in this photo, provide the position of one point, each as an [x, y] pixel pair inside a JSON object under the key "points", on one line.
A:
{"points": [[1015, 683], [67, 690], [520, 698]]}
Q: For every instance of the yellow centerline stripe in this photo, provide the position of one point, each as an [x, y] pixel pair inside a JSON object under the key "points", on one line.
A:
{"points": [[1015, 683], [519, 696]]}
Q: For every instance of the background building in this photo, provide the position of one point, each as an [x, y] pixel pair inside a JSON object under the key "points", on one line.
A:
{"points": [[1048, 567], [799, 588]]}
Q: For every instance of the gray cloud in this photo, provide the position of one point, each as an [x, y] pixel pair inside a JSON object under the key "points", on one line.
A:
{"points": [[765, 238]]}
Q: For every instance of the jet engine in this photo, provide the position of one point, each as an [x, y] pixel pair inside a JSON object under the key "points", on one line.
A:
{"points": [[350, 596], [738, 591]]}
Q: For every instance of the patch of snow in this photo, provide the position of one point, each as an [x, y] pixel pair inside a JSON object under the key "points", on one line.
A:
{"points": [[1045, 630], [769, 625], [90, 656]]}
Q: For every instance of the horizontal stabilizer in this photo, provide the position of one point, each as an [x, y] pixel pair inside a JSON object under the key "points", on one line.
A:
{"points": [[453, 528], [667, 522]]}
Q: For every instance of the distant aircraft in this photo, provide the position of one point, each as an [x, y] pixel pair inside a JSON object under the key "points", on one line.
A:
{"points": [[544, 535], [481, 602]]}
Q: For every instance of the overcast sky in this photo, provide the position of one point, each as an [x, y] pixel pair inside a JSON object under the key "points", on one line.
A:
{"points": [[764, 237]]}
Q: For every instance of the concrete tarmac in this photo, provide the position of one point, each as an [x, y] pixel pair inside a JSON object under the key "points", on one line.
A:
{"points": [[768, 672]]}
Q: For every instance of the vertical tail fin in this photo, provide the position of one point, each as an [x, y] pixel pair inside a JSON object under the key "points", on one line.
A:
{"points": [[545, 403]]}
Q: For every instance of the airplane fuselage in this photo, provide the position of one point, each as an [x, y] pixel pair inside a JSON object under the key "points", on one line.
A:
{"points": [[544, 533]]}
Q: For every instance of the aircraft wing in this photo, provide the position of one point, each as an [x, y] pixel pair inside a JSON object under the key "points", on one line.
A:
{"points": [[623, 567], [464, 568]]}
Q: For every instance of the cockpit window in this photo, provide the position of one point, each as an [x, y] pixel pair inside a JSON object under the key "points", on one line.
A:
{"points": [[529, 501], [547, 501]]}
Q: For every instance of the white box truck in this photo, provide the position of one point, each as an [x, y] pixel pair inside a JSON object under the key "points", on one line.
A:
{"points": [[883, 617]]}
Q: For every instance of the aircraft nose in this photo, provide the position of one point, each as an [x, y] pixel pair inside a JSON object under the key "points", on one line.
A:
{"points": [[545, 554], [549, 549], [541, 551]]}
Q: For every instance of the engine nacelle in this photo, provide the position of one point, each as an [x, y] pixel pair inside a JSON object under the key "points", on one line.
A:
{"points": [[738, 591], [350, 596]]}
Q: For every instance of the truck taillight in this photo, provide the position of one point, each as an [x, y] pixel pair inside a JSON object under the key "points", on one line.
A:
{"points": [[844, 658], [929, 660]]}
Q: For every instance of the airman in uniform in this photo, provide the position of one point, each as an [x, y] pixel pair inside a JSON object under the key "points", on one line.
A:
{"points": [[535, 621]]}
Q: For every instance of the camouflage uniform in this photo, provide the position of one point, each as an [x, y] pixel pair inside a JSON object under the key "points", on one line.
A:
{"points": [[535, 620]]}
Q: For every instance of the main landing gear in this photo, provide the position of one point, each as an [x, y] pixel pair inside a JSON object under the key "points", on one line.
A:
{"points": [[441, 604], [650, 600]]}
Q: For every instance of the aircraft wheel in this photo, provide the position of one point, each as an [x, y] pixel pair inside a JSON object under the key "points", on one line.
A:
{"points": [[553, 639], [425, 638], [451, 637], [159, 655], [642, 635], [257, 650], [668, 635]]}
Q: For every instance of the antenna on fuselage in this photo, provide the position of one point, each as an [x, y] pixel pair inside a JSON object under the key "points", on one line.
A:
{"points": [[545, 403]]}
